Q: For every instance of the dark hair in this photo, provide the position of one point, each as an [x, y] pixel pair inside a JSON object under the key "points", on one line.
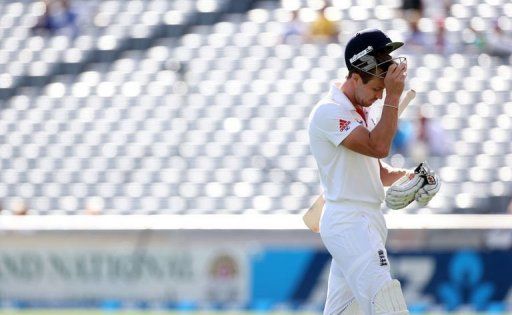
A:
{"points": [[365, 76], [384, 60]]}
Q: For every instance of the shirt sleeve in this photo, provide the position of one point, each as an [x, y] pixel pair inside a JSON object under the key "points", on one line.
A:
{"points": [[331, 122]]}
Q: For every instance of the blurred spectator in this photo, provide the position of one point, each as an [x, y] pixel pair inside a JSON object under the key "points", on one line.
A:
{"points": [[92, 211], [94, 206], [431, 139], [322, 29], [294, 30], [416, 39], [475, 38], [498, 42], [20, 207], [403, 137], [412, 11], [58, 18], [495, 41], [441, 45]]}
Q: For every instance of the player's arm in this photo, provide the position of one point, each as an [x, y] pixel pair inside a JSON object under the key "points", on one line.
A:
{"points": [[389, 174], [377, 143], [371, 143]]}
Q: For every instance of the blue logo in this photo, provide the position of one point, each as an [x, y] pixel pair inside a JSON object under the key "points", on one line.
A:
{"points": [[466, 284]]}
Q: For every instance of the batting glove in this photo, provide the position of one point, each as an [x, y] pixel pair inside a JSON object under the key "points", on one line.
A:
{"points": [[431, 186], [404, 190]]}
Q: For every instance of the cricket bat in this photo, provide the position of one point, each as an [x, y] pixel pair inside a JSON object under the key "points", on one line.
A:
{"points": [[312, 217]]}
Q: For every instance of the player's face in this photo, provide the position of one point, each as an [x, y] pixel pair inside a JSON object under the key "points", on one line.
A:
{"points": [[367, 94]]}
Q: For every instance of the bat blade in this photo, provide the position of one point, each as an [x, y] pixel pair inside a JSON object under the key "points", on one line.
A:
{"points": [[409, 96], [312, 216]]}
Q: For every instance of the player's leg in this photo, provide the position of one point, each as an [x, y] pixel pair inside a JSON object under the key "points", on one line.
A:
{"points": [[375, 291], [390, 300], [340, 299], [359, 251]]}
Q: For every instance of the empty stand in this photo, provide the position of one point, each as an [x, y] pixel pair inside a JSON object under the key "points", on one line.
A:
{"points": [[181, 107]]}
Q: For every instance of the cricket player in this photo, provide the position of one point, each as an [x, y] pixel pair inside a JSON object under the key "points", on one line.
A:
{"points": [[348, 141]]}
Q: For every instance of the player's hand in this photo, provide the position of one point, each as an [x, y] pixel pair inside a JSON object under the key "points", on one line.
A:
{"points": [[394, 81], [429, 189], [403, 191], [422, 186]]}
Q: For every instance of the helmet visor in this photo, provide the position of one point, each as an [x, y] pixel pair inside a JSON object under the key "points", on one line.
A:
{"points": [[370, 65]]}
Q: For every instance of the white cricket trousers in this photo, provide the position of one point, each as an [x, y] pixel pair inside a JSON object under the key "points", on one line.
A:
{"points": [[354, 233]]}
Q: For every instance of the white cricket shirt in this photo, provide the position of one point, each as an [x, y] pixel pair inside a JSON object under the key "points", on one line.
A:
{"points": [[345, 175]]}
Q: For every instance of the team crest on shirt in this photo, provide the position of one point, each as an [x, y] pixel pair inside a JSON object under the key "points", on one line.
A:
{"points": [[344, 125]]}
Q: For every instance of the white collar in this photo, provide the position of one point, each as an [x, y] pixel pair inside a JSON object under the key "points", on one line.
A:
{"points": [[337, 95]]}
